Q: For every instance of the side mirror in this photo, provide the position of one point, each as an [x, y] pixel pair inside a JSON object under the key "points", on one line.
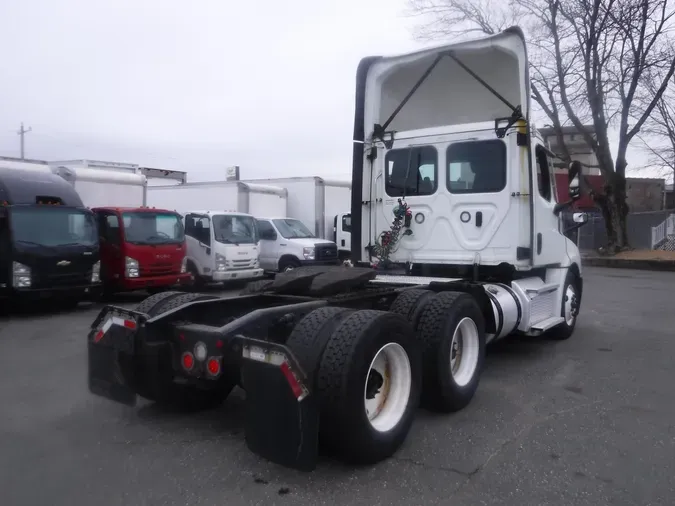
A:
{"points": [[575, 180], [580, 218]]}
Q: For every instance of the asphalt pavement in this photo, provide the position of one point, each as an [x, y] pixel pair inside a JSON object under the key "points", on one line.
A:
{"points": [[588, 421]]}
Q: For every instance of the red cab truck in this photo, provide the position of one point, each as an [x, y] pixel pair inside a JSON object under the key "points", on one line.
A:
{"points": [[141, 248]]}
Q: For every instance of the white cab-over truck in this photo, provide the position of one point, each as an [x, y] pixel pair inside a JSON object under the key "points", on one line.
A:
{"points": [[474, 252], [222, 246], [222, 241]]}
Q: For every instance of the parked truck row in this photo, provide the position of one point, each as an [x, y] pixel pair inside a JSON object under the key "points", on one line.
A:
{"points": [[144, 237]]}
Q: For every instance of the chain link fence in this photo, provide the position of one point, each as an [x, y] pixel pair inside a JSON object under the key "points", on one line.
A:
{"points": [[592, 235]]}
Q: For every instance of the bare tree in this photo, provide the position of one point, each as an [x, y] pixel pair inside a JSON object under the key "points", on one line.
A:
{"points": [[589, 63], [658, 136]]}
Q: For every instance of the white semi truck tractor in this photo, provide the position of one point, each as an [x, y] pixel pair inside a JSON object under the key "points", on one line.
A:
{"points": [[457, 242]]}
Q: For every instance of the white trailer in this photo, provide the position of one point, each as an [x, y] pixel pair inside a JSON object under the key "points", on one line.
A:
{"points": [[317, 202], [234, 196], [9, 162], [106, 188], [99, 184]]}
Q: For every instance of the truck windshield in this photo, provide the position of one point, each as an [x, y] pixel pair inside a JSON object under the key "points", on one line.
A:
{"points": [[232, 229], [146, 227], [52, 226], [292, 229]]}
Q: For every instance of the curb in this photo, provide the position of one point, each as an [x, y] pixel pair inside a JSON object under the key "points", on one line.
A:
{"points": [[624, 263]]}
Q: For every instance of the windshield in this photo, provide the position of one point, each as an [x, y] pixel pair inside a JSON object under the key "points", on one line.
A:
{"points": [[143, 227], [292, 229], [230, 229], [53, 226]]}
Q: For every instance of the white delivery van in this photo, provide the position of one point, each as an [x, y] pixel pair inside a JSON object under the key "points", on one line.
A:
{"points": [[286, 243], [221, 246], [316, 202]]}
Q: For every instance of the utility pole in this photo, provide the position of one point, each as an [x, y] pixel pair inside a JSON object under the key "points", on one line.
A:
{"points": [[22, 133]]}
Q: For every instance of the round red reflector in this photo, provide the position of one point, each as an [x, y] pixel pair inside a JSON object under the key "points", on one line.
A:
{"points": [[213, 366], [188, 361]]}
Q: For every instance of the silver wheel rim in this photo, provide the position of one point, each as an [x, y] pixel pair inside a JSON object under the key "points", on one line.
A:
{"points": [[289, 268], [570, 305], [464, 351], [387, 389]]}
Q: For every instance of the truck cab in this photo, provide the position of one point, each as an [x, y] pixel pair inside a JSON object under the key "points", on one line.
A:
{"points": [[141, 249], [48, 240], [222, 246], [286, 243]]}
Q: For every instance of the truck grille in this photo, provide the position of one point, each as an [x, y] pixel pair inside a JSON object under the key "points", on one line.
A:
{"points": [[159, 270], [326, 252], [69, 279], [238, 265]]}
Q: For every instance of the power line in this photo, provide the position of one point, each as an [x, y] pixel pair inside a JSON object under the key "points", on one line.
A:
{"points": [[22, 133]]}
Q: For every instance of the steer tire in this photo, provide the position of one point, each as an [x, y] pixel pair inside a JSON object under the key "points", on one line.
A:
{"points": [[410, 303], [342, 379], [565, 330], [438, 322], [149, 304], [258, 286]]}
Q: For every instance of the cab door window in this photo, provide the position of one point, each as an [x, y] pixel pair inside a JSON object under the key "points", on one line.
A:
{"points": [[198, 227], [544, 174]]}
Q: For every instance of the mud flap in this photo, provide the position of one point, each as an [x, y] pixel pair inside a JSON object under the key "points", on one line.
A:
{"points": [[279, 427], [111, 347]]}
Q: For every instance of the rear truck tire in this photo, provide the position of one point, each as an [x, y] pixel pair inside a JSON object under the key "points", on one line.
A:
{"points": [[149, 303], [410, 304], [288, 264], [257, 286], [569, 308], [451, 331], [368, 384], [161, 388]]}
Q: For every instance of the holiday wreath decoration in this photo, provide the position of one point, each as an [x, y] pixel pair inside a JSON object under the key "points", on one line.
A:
{"points": [[387, 242]]}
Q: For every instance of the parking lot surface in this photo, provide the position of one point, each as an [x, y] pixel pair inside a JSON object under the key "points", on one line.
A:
{"points": [[585, 421]]}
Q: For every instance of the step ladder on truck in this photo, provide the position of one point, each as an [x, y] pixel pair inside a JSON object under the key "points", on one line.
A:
{"points": [[453, 184]]}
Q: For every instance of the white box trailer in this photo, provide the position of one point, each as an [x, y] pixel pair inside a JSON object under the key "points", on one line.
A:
{"points": [[315, 201], [9, 162], [99, 184], [255, 199], [104, 188]]}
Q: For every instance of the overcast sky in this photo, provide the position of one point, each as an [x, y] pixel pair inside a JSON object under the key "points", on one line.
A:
{"points": [[195, 86]]}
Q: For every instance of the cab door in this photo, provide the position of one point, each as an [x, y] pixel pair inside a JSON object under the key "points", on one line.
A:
{"points": [[110, 246], [5, 252], [549, 242], [198, 241]]}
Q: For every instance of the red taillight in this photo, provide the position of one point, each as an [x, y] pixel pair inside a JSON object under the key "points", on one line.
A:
{"points": [[130, 324], [213, 366], [293, 382], [188, 361], [300, 391]]}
